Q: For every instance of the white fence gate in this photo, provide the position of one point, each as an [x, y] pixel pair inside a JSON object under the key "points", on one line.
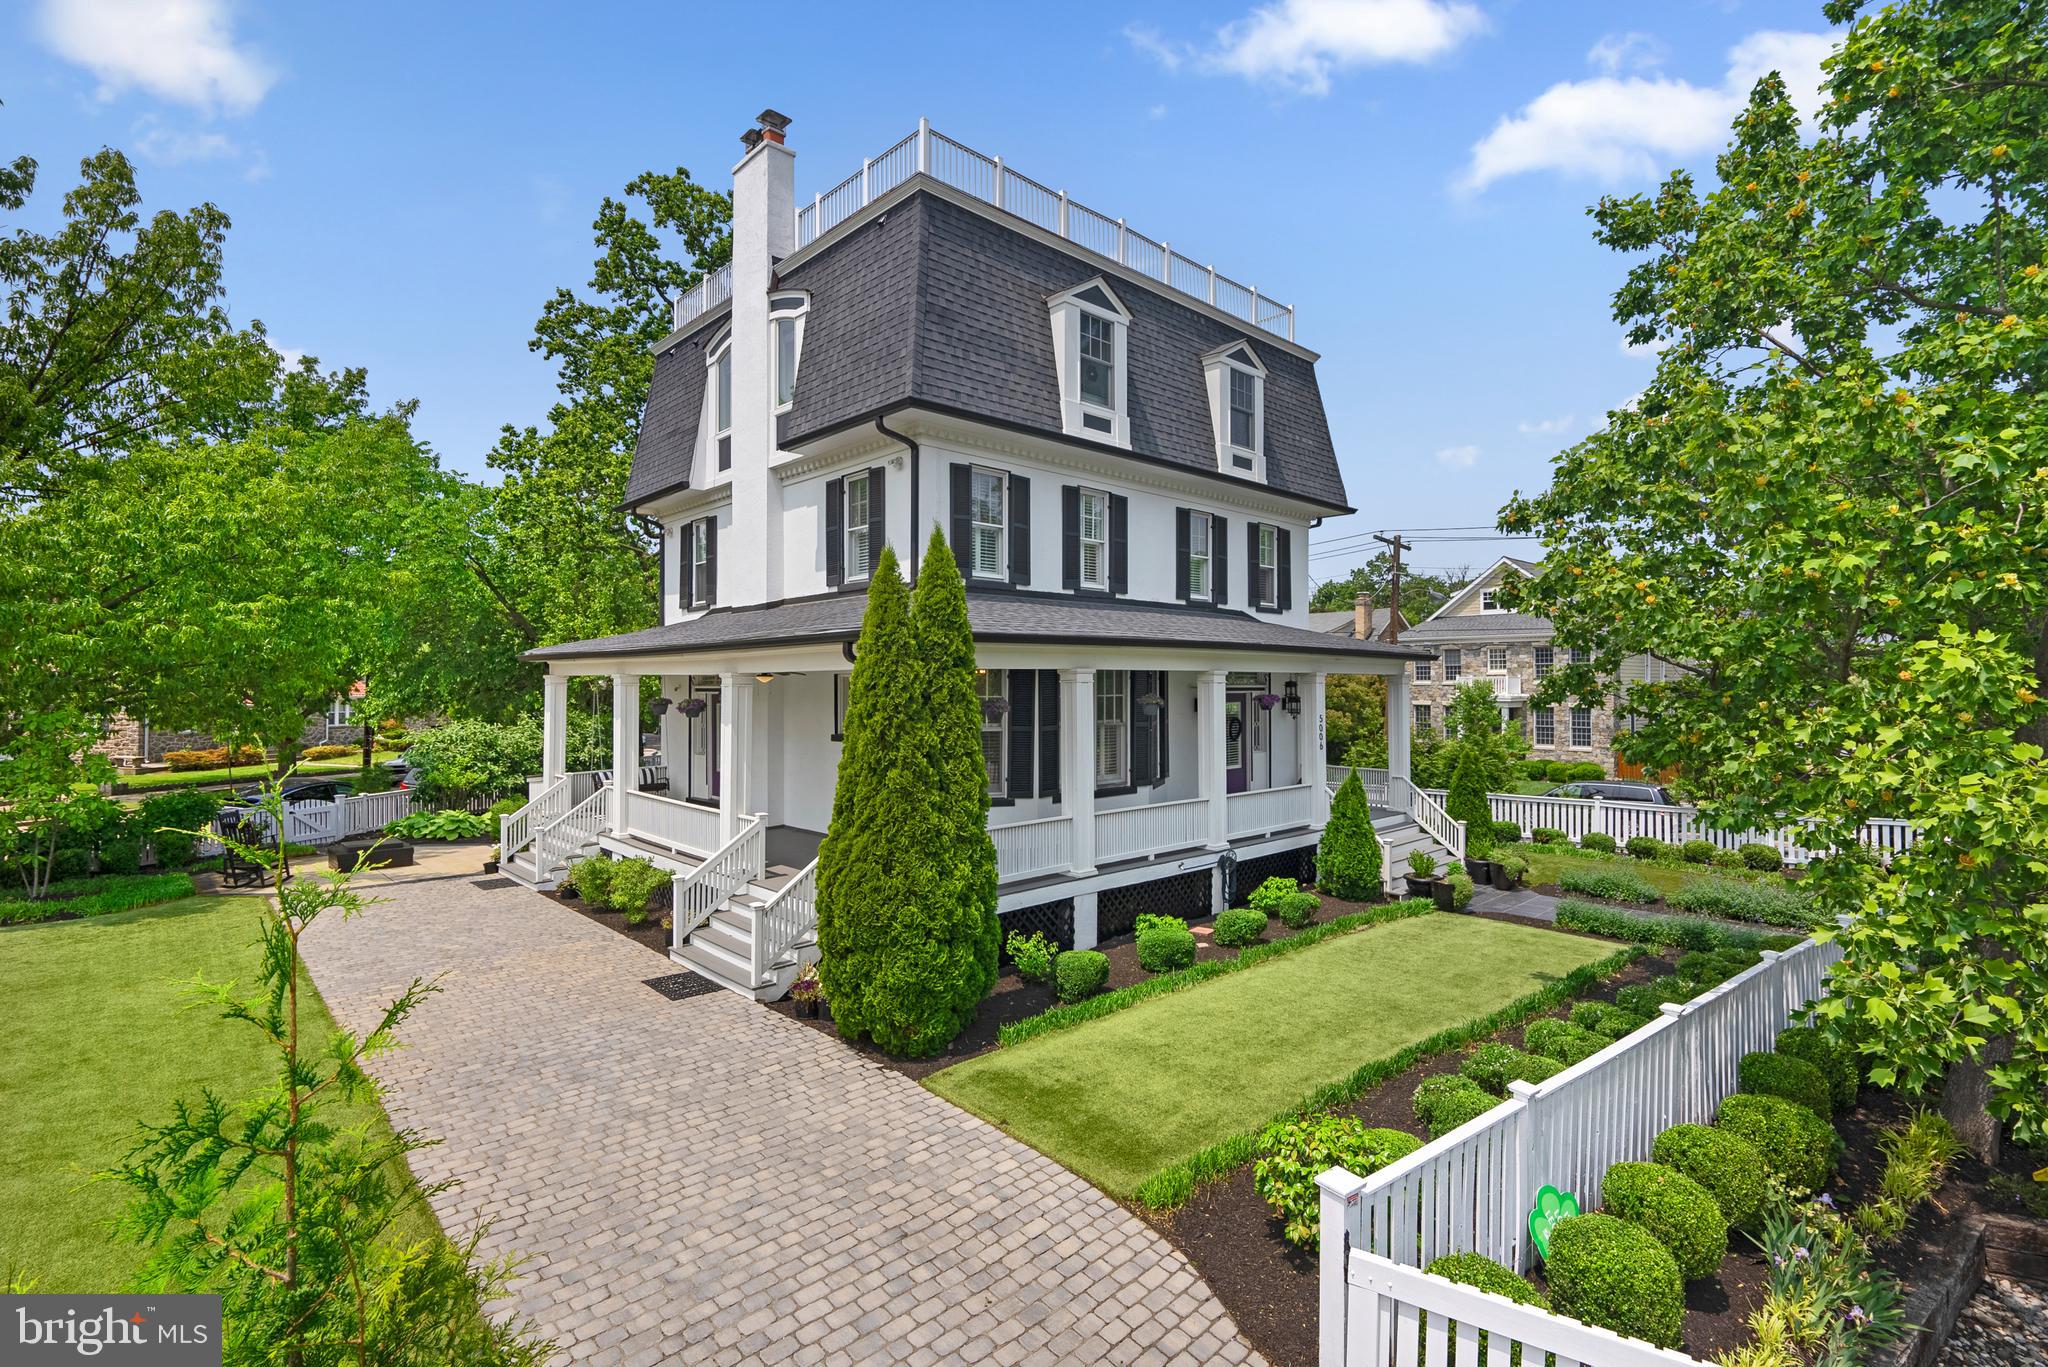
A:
{"points": [[1471, 1191]]}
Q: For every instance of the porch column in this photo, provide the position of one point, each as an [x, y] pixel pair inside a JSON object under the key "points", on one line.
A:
{"points": [[1400, 721], [735, 751], [1308, 735], [1213, 751], [1077, 766], [554, 727], [625, 742], [675, 733]]}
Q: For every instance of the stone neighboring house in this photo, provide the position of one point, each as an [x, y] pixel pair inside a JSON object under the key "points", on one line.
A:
{"points": [[1476, 638], [131, 742]]}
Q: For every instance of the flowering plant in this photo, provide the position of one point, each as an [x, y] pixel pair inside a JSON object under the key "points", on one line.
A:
{"points": [[1152, 700], [994, 707], [1266, 700], [693, 707]]}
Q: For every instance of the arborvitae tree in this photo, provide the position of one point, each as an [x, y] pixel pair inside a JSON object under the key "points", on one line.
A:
{"points": [[861, 882], [1467, 802], [1348, 860]]}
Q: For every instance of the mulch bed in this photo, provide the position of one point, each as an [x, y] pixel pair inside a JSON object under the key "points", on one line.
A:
{"points": [[1014, 1000], [650, 933]]}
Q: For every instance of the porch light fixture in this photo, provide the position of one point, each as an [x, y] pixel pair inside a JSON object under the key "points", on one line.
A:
{"points": [[1290, 699], [764, 678]]}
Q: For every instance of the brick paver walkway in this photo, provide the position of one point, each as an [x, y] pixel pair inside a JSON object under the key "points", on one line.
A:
{"points": [[705, 1181]]}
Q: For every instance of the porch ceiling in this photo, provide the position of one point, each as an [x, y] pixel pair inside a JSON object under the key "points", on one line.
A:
{"points": [[996, 618]]}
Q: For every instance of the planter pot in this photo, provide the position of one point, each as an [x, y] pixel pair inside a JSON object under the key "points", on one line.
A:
{"points": [[1421, 887], [1442, 892], [394, 854], [490, 866], [810, 1008], [1480, 869], [1502, 879]]}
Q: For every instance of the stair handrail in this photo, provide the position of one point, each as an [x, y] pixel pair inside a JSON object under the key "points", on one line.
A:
{"points": [[517, 829], [733, 865], [785, 919], [572, 830], [1431, 816]]}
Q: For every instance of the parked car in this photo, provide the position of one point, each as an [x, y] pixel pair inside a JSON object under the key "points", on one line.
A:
{"points": [[250, 799], [1612, 790], [403, 772]]}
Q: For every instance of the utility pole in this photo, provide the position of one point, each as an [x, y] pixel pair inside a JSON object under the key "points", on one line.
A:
{"points": [[1393, 632]]}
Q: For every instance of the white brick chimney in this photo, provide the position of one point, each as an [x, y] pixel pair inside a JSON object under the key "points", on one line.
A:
{"points": [[763, 232]]}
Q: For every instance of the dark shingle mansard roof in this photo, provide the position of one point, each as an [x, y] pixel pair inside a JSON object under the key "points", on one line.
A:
{"points": [[934, 304], [1482, 626], [994, 617]]}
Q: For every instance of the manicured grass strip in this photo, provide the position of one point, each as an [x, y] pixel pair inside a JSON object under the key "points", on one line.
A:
{"points": [[101, 1035], [240, 773], [1686, 932], [1124, 1096], [1094, 1008], [1172, 1185], [108, 895]]}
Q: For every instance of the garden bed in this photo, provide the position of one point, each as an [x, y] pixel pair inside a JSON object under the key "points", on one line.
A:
{"points": [[652, 933]]}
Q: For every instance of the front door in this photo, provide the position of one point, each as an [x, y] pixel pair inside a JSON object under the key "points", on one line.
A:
{"points": [[1237, 742]]}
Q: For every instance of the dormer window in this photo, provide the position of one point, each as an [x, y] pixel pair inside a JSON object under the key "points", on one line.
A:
{"points": [[720, 359], [785, 343], [1090, 343], [1237, 406]]}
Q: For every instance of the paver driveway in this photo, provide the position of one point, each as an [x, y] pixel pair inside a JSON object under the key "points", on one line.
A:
{"points": [[704, 1181]]}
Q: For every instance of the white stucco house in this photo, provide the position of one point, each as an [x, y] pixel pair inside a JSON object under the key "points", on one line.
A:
{"points": [[1128, 453]]}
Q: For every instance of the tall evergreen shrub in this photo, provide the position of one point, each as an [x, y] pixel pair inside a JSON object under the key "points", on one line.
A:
{"points": [[1467, 803], [1348, 860]]}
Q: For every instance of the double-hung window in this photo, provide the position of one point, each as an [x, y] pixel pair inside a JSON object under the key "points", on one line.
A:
{"points": [[1112, 728], [1489, 600], [698, 535], [1545, 719], [1094, 540], [1268, 568], [990, 687], [1425, 670], [1581, 656], [1496, 659], [1422, 717], [338, 712], [1544, 661], [721, 412], [1198, 557], [1582, 728], [1244, 412], [858, 552], [988, 515], [1098, 364], [1454, 664]]}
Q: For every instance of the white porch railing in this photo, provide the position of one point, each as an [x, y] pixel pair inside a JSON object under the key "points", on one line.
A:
{"points": [[788, 919], [1027, 849], [724, 872], [714, 289], [988, 179], [679, 826], [1260, 810], [1428, 810], [1134, 832], [570, 832], [548, 805], [1578, 816]]}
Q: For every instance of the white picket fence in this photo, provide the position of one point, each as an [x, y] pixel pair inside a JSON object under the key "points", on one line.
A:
{"points": [[1471, 1191], [1578, 816], [323, 823]]}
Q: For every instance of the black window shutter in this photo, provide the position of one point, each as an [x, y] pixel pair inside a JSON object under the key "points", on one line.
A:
{"points": [[1282, 553], [1144, 732], [963, 495], [1070, 536], [878, 523], [1180, 554], [1252, 590], [1219, 567], [1119, 544], [710, 561], [661, 573], [835, 532], [1023, 740], [686, 565], [1020, 531], [1049, 733]]}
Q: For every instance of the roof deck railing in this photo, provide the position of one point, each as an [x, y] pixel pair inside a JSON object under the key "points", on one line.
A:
{"points": [[714, 289], [929, 152]]}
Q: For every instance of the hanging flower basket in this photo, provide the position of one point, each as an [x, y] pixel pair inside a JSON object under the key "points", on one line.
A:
{"points": [[693, 707], [1153, 701], [995, 708], [1266, 701]]}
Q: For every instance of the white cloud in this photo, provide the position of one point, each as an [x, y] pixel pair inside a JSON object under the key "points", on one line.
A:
{"points": [[1631, 51], [1458, 457], [1547, 427], [179, 50], [1155, 111], [175, 146], [1615, 128], [291, 356], [1654, 346], [1301, 44]]}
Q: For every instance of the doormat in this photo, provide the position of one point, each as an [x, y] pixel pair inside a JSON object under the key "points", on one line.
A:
{"points": [[495, 883], [677, 986]]}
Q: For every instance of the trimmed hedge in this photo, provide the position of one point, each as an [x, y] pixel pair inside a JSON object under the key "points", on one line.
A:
{"points": [[1797, 1146], [1494, 1066], [1764, 858], [1507, 832], [1166, 948], [1722, 1161], [1677, 1211], [1448, 1100], [1594, 840], [1547, 835], [1478, 1270], [1683, 932], [1607, 1020], [1646, 847], [1295, 1151], [1697, 851], [1284, 898], [1614, 884], [1835, 1062], [1563, 1041], [184, 760], [1608, 1272], [1794, 1079], [1241, 926], [1080, 973]]}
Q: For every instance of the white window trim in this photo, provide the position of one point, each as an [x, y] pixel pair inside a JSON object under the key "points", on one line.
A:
{"points": [[1218, 366], [1066, 310], [1002, 570], [697, 546], [1423, 718], [781, 308], [718, 354], [1488, 600], [1454, 663], [339, 711], [1425, 671], [1572, 720], [998, 781], [1206, 558], [857, 567], [1269, 546], [1502, 652], [1113, 691], [1536, 719], [1100, 582]]}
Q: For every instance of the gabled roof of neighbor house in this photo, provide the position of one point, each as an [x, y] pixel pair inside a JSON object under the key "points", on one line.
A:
{"points": [[1443, 627], [994, 617], [934, 305]]}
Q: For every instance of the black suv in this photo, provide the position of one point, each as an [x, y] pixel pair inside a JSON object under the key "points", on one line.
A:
{"points": [[1615, 790]]}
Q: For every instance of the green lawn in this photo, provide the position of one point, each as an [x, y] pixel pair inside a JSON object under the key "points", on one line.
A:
{"points": [[1118, 1099], [100, 1037]]}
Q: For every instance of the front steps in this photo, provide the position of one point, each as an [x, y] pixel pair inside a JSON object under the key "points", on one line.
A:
{"points": [[1401, 836], [722, 949]]}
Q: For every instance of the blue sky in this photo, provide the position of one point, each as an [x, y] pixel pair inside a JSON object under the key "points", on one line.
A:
{"points": [[408, 182]]}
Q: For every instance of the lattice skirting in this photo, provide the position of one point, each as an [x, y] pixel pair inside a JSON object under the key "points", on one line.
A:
{"points": [[1185, 895], [1296, 864], [1054, 920]]}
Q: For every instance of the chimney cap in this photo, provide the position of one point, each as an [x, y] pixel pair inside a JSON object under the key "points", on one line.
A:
{"points": [[770, 119], [751, 138]]}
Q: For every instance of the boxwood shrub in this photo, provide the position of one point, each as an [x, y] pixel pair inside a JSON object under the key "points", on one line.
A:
{"points": [[1722, 1161], [1478, 1270], [1594, 840], [1079, 973], [1284, 898], [1677, 1211], [1494, 1066], [1507, 832], [1782, 1075], [1764, 858], [1607, 1020], [1836, 1063], [1166, 948], [1646, 847], [1725, 859], [1563, 1041], [1614, 884], [1241, 926], [1448, 1100], [1798, 1147], [1293, 1153], [1547, 835], [592, 878], [1608, 1272], [1697, 851]]}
